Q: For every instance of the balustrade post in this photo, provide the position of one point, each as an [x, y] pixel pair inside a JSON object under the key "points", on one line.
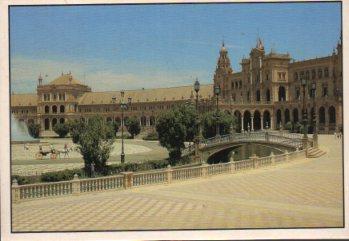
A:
{"points": [[169, 171], [128, 179], [15, 191], [254, 158], [76, 185], [204, 170]]}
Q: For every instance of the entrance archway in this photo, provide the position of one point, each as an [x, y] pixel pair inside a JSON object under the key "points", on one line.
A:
{"points": [[54, 122], [257, 120], [237, 115], [266, 119], [143, 121], [287, 116], [322, 113], [278, 118], [332, 118], [295, 115], [247, 120], [47, 124]]}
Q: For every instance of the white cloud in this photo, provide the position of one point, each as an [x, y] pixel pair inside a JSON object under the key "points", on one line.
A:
{"points": [[98, 74]]}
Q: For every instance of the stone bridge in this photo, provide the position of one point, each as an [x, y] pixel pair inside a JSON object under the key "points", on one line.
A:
{"points": [[209, 147]]}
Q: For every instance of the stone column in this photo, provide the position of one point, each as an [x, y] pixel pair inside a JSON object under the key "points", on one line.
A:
{"points": [[242, 124], [169, 171], [252, 129], [271, 124], [128, 179], [204, 170], [15, 191]]}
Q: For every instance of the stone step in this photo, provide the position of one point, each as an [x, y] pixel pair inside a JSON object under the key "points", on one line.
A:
{"points": [[315, 152]]}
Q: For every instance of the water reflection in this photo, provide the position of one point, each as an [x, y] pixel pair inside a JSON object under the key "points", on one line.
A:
{"points": [[244, 151]]}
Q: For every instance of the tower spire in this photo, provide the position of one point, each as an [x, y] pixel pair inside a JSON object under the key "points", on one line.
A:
{"points": [[40, 79]]}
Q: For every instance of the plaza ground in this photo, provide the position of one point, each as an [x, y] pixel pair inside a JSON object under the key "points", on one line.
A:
{"points": [[303, 193], [24, 161]]}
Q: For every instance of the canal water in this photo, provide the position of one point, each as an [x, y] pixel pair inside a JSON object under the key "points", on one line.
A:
{"points": [[244, 151]]}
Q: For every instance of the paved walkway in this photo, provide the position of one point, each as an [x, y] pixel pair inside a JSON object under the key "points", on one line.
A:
{"points": [[305, 193]]}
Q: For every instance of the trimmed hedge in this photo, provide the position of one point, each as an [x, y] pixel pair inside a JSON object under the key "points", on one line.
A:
{"points": [[66, 175], [152, 136]]}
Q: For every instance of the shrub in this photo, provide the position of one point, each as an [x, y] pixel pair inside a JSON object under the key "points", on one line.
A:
{"points": [[22, 180], [152, 136], [34, 130], [288, 126], [58, 176], [61, 129], [136, 167]]}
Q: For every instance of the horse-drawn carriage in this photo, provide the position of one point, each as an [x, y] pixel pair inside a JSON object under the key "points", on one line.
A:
{"points": [[52, 152], [43, 153]]}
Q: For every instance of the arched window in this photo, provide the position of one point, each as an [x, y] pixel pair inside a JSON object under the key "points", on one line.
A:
{"points": [[267, 95], [54, 109], [326, 72], [47, 109], [332, 115], [258, 95], [61, 120], [313, 74], [282, 93], [319, 73], [62, 109]]}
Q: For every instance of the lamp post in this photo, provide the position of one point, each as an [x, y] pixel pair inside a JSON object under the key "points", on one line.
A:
{"points": [[217, 91], [123, 107], [305, 121], [197, 137], [315, 137]]}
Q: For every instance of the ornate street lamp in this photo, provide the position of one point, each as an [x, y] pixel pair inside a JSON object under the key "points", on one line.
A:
{"points": [[197, 137], [217, 91], [123, 106], [305, 116], [315, 137]]}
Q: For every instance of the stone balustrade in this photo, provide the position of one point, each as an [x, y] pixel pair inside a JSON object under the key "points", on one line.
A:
{"points": [[128, 180]]}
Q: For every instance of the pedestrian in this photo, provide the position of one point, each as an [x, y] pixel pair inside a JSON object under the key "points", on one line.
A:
{"points": [[335, 135]]}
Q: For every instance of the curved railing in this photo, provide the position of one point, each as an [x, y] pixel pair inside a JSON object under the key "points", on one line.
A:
{"points": [[128, 180], [275, 137]]}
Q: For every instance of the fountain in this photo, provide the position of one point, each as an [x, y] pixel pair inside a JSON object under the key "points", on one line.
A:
{"points": [[19, 132]]}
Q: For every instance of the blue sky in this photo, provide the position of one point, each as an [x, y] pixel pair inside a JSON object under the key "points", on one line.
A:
{"points": [[134, 46]]}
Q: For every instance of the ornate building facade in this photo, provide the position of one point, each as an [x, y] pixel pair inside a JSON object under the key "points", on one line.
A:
{"points": [[266, 93]]}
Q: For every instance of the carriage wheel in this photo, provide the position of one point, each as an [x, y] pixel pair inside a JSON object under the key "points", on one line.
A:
{"points": [[38, 156], [53, 156]]}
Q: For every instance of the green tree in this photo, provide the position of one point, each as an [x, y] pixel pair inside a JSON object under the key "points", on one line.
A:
{"points": [[61, 129], [133, 126], [75, 129], [95, 143], [34, 130], [172, 133], [225, 122]]}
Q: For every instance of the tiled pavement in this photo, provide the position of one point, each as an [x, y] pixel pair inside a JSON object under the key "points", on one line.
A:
{"points": [[305, 193]]}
